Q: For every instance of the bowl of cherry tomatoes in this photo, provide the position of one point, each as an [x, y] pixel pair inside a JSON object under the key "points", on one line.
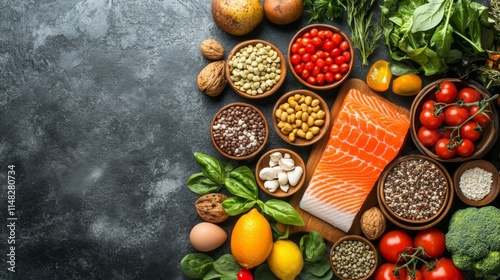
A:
{"points": [[453, 120], [320, 56]]}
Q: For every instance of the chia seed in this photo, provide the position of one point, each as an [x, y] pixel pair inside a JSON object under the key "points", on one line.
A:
{"points": [[415, 189]]}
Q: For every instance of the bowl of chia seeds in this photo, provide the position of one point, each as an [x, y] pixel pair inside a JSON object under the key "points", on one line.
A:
{"points": [[353, 257], [476, 182], [415, 192], [239, 131]]}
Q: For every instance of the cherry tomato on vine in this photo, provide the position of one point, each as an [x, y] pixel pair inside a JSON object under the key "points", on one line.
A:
{"points": [[447, 92], [470, 130], [245, 274], [419, 275], [384, 272], [429, 104], [466, 148], [445, 270], [432, 240], [455, 115], [482, 118], [427, 136], [441, 149], [393, 243], [446, 133], [428, 119], [468, 95]]}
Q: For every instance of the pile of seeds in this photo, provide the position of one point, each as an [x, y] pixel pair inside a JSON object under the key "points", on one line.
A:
{"points": [[353, 259], [239, 130], [255, 69], [415, 189], [475, 183]]}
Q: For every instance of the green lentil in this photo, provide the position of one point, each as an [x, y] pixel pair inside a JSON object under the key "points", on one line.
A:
{"points": [[353, 259]]}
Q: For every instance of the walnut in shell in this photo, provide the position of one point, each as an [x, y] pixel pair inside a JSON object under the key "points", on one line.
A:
{"points": [[209, 207], [212, 49], [373, 223], [212, 79]]}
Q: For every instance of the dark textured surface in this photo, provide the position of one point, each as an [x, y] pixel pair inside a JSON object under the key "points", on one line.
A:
{"points": [[100, 114]]}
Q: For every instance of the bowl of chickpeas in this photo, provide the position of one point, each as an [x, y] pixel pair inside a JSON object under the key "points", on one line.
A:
{"points": [[255, 69], [301, 117]]}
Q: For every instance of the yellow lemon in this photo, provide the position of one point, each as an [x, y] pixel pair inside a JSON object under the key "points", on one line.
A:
{"points": [[285, 260], [251, 239]]}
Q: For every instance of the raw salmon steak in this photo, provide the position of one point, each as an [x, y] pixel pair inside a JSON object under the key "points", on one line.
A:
{"points": [[366, 135]]}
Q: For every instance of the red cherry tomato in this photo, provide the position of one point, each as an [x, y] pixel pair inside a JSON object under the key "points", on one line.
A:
{"points": [[339, 59], [334, 68], [455, 115], [466, 148], [393, 243], [344, 45], [481, 118], [447, 92], [310, 48], [317, 42], [344, 68], [428, 119], [298, 68], [328, 46], [295, 59], [468, 95], [320, 63], [347, 56], [419, 275], [338, 76], [429, 104], [311, 80], [432, 240], [329, 77], [295, 47], [428, 137], [470, 130], [384, 272], [441, 149], [245, 274], [445, 270], [336, 52], [313, 32], [445, 133], [336, 39], [305, 73]]}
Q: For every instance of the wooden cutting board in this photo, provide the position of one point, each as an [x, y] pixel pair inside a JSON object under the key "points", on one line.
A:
{"points": [[327, 231]]}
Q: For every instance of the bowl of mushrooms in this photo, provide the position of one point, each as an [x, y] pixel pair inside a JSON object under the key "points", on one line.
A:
{"points": [[280, 172]]}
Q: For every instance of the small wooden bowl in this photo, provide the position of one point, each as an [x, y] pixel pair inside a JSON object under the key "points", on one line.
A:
{"points": [[232, 156], [264, 162], [482, 146], [298, 140], [408, 223], [266, 93], [354, 238], [495, 187], [331, 28]]}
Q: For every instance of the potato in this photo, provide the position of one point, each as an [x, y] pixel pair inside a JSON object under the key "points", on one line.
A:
{"points": [[283, 12], [237, 17]]}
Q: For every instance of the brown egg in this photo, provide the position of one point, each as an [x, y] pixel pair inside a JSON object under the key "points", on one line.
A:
{"points": [[207, 236], [283, 11]]}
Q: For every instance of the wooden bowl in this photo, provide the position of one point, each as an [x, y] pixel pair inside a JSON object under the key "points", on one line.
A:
{"points": [[405, 222], [264, 162], [482, 146], [298, 140], [215, 133], [232, 81], [486, 166], [320, 27], [354, 238]]}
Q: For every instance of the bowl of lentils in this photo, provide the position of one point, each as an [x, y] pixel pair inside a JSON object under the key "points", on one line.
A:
{"points": [[415, 192], [353, 257], [239, 131], [255, 69], [476, 182]]}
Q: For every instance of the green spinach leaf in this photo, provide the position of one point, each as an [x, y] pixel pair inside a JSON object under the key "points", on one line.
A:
{"points": [[212, 274], [313, 246], [200, 184], [211, 167], [282, 212], [235, 205], [196, 265], [443, 36], [264, 272], [305, 274], [428, 16], [319, 267], [226, 264]]}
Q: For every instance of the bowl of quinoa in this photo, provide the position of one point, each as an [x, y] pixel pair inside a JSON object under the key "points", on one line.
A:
{"points": [[476, 182]]}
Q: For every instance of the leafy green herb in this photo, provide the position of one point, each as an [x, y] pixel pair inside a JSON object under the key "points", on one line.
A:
{"points": [[199, 265], [236, 205], [365, 34], [196, 265], [428, 15], [322, 10], [210, 167], [226, 264], [313, 249], [264, 272], [201, 185], [281, 211]]}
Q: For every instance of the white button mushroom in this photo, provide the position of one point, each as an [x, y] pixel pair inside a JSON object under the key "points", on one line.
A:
{"points": [[295, 175], [271, 185], [267, 173], [287, 164], [282, 179], [285, 187]]}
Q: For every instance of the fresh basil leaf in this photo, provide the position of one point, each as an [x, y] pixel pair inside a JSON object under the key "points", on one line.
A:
{"points": [[200, 184], [242, 183], [263, 272], [236, 205], [319, 267], [211, 167], [212, 274], [196, 265], [313, 246], [442, 39], [228, 167], [428, 16], [282, 212], [226, 264]]}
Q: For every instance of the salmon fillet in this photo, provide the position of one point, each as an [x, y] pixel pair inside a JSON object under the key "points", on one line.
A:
{"points": [[366, 135]]}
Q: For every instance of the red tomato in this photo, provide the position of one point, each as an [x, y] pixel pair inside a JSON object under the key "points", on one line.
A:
{"points": [[320, 79], [466, 148], [418, 275], [339, 59], [347, 56], [338, 76], [447, 92], [344, 68], [328, 46], [306, 57], [384, 272], [481, 118], [441, 149], [455, 115], [446, 133], [329, 61], [320, 63], [334, 68], [429, 104], [344, 45], [468, 95], [295, 59], [298, 68], [470, 130], [321, 34], [393, 243], [316, 70], [336, 39], [245, 274], [329, 77], [295, 47], [428, 119], [317, 42], [432, 240], [305, 40], [313, 32], [310, 48], [445, 270], [336, 52], [328, 34], [428, 137], [301, 51], [304, 74], [311, 80]]}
